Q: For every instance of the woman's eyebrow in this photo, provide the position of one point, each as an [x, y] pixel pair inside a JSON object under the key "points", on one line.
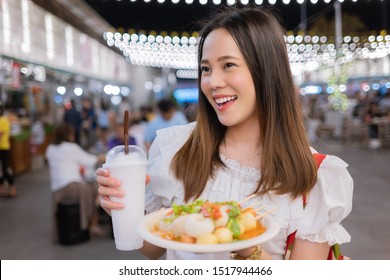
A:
{"points": [[221, 58]]}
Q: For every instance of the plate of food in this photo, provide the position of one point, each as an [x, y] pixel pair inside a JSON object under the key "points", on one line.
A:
{"points": [[208, 227]]}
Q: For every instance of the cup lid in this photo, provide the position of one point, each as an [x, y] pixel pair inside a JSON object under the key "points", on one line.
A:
{"points": [[118, 152]]}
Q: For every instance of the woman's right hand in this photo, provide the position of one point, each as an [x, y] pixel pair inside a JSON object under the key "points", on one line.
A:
{"points": [[108, 186]]}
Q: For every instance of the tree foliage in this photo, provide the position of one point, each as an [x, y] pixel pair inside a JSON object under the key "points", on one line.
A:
{"points": [[351, 25]]}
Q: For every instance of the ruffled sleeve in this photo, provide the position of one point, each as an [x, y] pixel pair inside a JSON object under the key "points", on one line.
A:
{"points": [[163, 185], [329, 202]]}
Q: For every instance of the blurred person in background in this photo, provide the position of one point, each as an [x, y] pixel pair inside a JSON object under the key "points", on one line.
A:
{"points": [[146, 113], [103, 122], [123, 106], [371, 119], [69, 164], [5, 147], [117, 138], [37, 133], [384, 104], [190, 110], [73, 117], [167, 116], [37, 140], [315, 116], [137, 130], [88, 125], [360, 107]]}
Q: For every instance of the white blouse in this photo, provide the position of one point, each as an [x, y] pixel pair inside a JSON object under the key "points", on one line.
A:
{"points": [[65, 161], [329, 202]]}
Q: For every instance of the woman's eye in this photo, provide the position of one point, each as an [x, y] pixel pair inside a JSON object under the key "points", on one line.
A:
{"points": [[204, 69], [228, 65]]}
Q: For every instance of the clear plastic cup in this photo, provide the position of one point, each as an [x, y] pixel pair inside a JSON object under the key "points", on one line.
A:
{"points": [[130, 169]]}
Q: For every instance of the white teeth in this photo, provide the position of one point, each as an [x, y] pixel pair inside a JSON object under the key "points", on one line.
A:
{"points": [[225, 99]]}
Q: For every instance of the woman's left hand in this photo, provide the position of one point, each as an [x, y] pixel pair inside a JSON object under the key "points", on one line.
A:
{"points": [[255, 252]]}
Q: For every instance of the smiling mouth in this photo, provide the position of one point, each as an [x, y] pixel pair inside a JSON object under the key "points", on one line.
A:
{"points": [[224, 100]]}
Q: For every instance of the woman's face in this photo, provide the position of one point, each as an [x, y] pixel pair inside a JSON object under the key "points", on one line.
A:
{"points": [[226, 80]]}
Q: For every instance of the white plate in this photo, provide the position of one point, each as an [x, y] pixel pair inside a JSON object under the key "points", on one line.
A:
{"points": [[147, 223]]}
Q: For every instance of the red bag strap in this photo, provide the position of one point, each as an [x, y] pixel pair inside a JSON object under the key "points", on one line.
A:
{"points": [[319, 158], [334, 250]]}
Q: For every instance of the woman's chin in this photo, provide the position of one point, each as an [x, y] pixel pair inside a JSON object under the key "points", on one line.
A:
{"points": [[226, 121]]}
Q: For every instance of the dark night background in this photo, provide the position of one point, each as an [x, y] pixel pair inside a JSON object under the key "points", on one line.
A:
{"points": [[375, 14]]}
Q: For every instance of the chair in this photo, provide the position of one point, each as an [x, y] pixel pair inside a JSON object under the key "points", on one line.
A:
{"points": [[355, 133], [384, 134], [68, 223], [325, 130]]}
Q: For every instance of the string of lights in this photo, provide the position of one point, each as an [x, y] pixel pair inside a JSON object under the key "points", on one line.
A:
{"points": [[246, 2], [171, 50], [181, 52]]}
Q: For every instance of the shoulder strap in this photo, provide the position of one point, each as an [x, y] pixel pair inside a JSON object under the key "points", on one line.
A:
{"points": [[334, 251], [319, 158]]}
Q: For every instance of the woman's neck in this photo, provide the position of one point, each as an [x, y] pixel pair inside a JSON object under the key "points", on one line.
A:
{"points": [[242, 144], [244, 135]]}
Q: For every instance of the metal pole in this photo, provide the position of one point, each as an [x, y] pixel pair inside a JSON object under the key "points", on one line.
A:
{"points": [[339, 24], [303, 24], [384, 16]]}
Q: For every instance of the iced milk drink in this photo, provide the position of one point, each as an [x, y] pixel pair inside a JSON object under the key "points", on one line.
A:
{"points": [[130, 169]]}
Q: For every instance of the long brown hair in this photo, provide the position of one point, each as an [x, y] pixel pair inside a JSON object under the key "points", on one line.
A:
{"points": [[287, 165]]}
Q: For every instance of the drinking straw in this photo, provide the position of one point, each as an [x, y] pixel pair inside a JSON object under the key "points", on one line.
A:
{"points": [[126, 132]]}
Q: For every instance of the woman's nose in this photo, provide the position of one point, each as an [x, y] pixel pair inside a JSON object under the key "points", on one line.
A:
{"points": [[216, 80]]}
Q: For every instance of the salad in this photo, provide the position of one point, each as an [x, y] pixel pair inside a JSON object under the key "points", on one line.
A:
{"points": [[205, 222]]}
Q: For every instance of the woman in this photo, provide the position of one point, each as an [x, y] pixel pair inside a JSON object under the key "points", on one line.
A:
{"points": [[68, 162], [5, 148], [249, 138]]}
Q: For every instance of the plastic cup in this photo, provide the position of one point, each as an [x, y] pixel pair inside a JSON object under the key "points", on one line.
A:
{"points": [[130, 169]]}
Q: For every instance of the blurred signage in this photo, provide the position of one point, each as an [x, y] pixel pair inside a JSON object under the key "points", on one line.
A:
{"points": [[15, 75], [186, 95]]}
